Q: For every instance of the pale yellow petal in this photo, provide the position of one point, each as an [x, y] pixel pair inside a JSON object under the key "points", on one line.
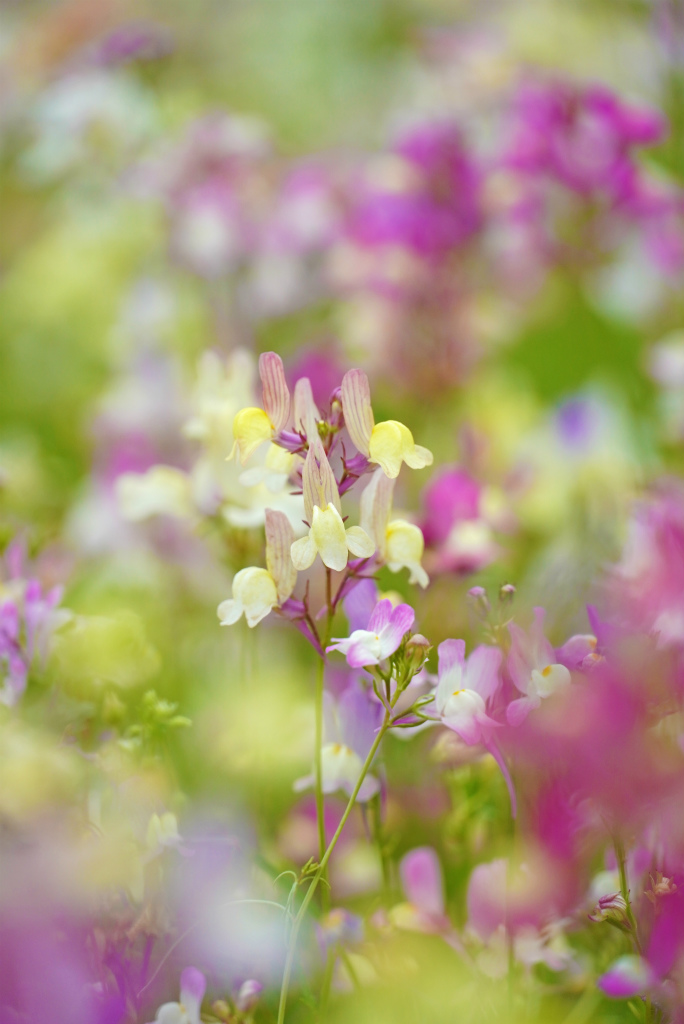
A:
{"points": [[328, 533], [359, 543], [392, 443], [418, 457], [229, 612], [404, 549], [251, 427], [256, 591], [387, 446], [303, 552]]}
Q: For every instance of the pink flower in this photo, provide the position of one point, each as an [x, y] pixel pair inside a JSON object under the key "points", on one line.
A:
{"points": [[464, 692], [465, 689], [533, 667], [386, 629]]}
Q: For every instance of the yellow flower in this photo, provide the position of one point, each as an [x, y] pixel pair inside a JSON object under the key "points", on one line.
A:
{"points": [[327, 535], [388, 443]]}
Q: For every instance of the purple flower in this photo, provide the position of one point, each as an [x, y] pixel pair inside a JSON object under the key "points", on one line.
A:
{"points": [[351, 724], [386, 629]]}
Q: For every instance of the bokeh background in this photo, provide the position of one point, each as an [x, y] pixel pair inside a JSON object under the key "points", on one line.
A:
{"points": [[537, 354]]}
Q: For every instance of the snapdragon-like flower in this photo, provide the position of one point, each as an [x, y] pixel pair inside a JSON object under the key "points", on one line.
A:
{"points": [[386, 629], [533, 668], [351, 724], [192, 988], [388, 443], [257, 591], [399, 543], [327, 534], [253, 426], [465, 689]]}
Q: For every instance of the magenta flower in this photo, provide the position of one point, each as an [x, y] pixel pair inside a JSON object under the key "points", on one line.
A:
{"points": [[626, 977], [533, 667], [386, 629]]}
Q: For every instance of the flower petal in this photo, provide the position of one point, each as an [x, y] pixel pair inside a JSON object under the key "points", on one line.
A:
{"points": [[256, 591], [303, 552], [422, 880], [359, 543], [306, 414], [327, 530], [251, 427], [482, 671], [381, 615], [229, 612], [518, 710], [386, 447], [276, 395], [357, 409], [451, 655], [279, 541], [375, 508]]}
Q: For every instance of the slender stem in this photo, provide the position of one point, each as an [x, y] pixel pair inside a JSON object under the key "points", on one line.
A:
{"points": [[292, 946], [318, 762], [318, 739], [624, 891]]}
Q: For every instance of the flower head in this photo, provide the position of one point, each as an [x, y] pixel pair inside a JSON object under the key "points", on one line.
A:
{"points": [[192, 988], [386, 629], [327, 536], [388, 443], [533, 668], [399, 543], [256, 591]]}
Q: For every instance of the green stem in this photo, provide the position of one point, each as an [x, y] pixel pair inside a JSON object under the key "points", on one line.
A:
{"points": [[318, 762], [624, 891], [292, 946]]}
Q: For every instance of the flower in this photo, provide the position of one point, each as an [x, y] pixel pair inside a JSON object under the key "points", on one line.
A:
{"points": [[464, 692], [626, 977], [386, 629], [399, 543], [388, 443], [327, 533], [533, 668], [351, 724], [423, 885], [187, 1011], [252, 426], [465, 689], [256, 591]]}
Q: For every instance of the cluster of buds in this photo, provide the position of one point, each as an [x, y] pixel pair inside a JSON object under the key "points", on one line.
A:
{"points": [[312, 447]]}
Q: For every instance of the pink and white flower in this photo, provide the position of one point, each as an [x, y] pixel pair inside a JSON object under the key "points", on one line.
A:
{"points": [[533, 667], [386, 629]]}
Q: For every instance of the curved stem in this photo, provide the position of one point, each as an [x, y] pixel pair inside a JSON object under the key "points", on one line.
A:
{"points": [[292, 946]]}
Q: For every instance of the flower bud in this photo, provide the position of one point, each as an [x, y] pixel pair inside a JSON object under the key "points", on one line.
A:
{"points": [[248, 996], [480, 601], [506, 594], [416, 652]]}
